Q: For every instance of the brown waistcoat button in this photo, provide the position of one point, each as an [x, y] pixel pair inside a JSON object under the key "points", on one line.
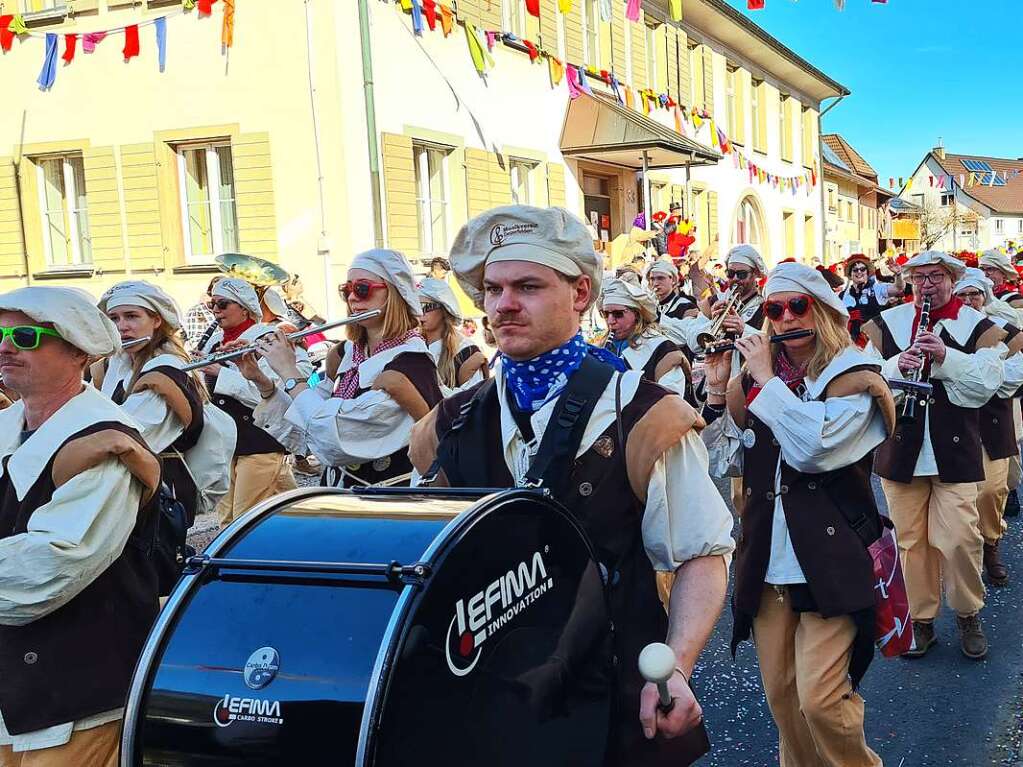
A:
{"points": [[930, 401], [585, 489], [994, 420], [749, 491], [784, 489], [30, 658], [770, 495], [812, 485], [955, 439], [830, 530]]}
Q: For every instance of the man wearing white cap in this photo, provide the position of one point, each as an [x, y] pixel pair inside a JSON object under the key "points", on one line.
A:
{"points": [[997, 421], [1003, 275], [260, 468], [78, 592], [930, 474], [630, 312], [664, 280], [534, 271], [743, 267]]}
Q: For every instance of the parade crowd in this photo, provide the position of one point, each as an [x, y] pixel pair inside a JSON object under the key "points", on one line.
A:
{"points": [[110, 425]]}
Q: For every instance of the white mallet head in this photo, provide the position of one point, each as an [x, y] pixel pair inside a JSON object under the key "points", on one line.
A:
{"points": [[657, 662]]}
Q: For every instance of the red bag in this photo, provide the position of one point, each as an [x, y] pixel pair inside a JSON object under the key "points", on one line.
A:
{"points": [[893, 630]]}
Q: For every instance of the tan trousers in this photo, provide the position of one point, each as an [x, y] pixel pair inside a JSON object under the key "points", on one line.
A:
{"points": [[95, 747], [804, 662], [737, 497], [938, 529], [991, 496], [254, 478]]}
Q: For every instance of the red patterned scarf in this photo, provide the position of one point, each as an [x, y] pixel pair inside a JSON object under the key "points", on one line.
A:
{"points": [[348, 384], [791, 375], [232, 334]]}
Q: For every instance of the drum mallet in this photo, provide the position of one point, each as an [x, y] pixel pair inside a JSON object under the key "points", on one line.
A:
{"points": [[657, 663]]}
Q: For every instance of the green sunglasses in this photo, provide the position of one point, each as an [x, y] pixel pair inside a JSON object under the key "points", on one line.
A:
{"points": [[26, 337]]}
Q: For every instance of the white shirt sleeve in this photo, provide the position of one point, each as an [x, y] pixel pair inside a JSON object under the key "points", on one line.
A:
{"points": [[158, 424], [674, 380], [685, 516], [344, 431], [69, 542], [819, 436], [723, 439], [231, 383], [971, 379], [1013, 376]]}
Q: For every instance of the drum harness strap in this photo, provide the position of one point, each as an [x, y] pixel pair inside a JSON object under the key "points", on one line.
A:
{"points": [[551, 465]]}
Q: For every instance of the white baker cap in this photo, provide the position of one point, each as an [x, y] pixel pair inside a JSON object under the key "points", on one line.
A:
{"points": [[275, 303], [618, 292], [144, 294], [552, 237], [929, 257], [791, 277], [975, 278], [662, 266], [999, 260], [393, 268], [241, 292], [72, 312], [438, 291], [746, 254]]}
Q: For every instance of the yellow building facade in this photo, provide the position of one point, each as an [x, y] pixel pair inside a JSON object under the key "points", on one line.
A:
{"points": [[122, 171]]}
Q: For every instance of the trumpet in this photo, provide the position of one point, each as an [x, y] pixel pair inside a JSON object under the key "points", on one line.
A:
{"points": [[713, 334], [220, 357]]}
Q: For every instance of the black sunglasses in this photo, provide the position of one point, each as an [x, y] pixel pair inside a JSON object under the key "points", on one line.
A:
{"points": [[221, 305], [616, 314], [737, 274], [431, 306]]}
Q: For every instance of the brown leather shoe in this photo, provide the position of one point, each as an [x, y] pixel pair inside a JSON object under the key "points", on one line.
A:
{"points": [[971, 637], [923, 638], [997, 572]]}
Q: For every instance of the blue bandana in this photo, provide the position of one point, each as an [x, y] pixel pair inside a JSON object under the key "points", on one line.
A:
{"points": [[616, 347], [536, 381]]}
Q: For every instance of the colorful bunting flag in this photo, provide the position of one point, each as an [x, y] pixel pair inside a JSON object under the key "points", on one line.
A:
{"points": [[48, 74], [70, 43]]}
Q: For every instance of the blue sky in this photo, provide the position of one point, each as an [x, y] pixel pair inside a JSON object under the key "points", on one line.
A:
{"points": [[917, 69]]}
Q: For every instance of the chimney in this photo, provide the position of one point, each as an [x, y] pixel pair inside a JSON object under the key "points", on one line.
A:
{"points": [[939, 150]]}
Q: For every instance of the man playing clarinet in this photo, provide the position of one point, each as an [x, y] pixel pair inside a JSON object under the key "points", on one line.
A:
{"points": [[930, 474]]}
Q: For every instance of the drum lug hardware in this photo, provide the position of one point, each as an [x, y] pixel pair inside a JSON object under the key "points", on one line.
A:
{"points": [[409, 574]]}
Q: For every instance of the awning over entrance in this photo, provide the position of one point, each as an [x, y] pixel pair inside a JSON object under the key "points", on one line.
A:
{"points": [[599, 129]]}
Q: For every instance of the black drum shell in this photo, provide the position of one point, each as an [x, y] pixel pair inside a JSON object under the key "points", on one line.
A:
{"points": [[365, 667]]}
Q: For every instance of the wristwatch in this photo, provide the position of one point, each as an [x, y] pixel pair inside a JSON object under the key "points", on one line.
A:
{"points": [[290, 384]]}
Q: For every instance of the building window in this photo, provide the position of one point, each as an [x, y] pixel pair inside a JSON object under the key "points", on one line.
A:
{"points": [[749, 227], [730, 101], [1019, 226], [431, 197], [832, 207], [757, 113], [788, 222], [65, 216], [514, 17], [999, 225], [652, 70], [785, 125], [37, 6], [696, 84], [522, 181], [591, 32], [946, 199], [809, 127], [208, 217]]}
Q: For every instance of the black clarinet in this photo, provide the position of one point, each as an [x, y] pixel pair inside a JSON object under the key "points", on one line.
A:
{"points": [[917, 375]]}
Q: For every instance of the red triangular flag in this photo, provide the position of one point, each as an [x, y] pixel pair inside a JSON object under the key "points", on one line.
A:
{"points": [[70, 42], [533, 7], [206, 7], [131, 42], [755, 5]]}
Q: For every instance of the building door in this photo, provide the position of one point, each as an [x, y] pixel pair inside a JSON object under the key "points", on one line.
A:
{"points": [[597, 204]]}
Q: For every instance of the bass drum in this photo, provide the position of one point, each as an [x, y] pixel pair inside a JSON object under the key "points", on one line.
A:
{"points": [[381, 627]]}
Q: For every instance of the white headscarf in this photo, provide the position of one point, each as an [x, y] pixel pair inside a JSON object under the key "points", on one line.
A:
{"points": [[929, 257], [661, 266], [72, 312], [144, 294], [393, 268], [438, 291], [618, 292], [241, 292], [998, 260], [791, 277]]}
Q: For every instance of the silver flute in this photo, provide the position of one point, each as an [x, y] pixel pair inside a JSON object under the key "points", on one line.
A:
{"points": [[220, 357]]}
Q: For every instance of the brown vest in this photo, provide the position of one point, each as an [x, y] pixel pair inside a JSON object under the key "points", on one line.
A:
{"points": [[997, 426], [955, 431], [606, 506], [78, 660]]}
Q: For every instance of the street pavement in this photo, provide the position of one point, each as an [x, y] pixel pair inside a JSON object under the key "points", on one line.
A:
{"points": [[940, 710]]}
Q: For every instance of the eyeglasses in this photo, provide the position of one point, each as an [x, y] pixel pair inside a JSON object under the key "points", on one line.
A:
{"points": [[615, 314], [361, 288], [859, 270], [737, 274], [798, 306], [431, 306], [970, 294], [26, 337], [932, 278], [220, 305]]}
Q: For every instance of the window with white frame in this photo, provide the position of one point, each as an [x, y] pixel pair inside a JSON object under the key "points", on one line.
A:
{"points": [[38, 6], [730, 103], [521, 172], [209, 220], [514, 17], [1019, 226], [755, 105], [749, 226], [652, 70], [431, 197], [63, 210], [946, 199], [591, 32], [999, 225]]}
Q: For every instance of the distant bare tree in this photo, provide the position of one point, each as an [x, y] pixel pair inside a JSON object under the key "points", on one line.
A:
{"points": [[938, 220]]}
